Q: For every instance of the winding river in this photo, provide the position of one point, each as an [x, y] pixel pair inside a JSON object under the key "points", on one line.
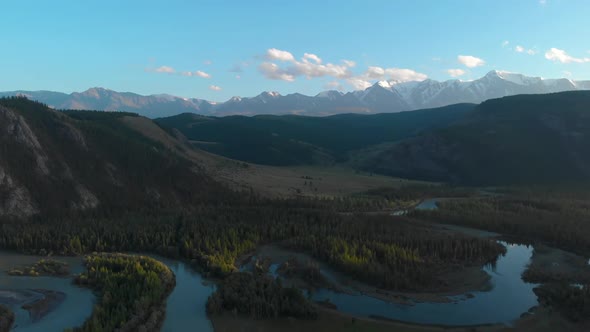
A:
{"points": [[507, 300]]}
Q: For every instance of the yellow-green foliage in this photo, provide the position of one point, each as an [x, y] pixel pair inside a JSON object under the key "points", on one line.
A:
{"points": [[132, 291]]}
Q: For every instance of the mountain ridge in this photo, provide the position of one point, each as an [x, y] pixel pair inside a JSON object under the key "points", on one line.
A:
{"points": [[523, 139], [382, 97]]}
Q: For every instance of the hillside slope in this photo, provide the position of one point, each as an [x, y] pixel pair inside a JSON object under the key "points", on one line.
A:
{"points": [[54, 163], [301, 140], [525, 139]]}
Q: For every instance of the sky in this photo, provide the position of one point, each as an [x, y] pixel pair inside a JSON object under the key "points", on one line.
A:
{"points": [[218, 49]]}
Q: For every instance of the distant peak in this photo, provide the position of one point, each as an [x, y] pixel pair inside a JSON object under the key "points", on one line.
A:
{"points": [[329, 94], [385, 84], [98, 88], [271, 93], [493, 73]]}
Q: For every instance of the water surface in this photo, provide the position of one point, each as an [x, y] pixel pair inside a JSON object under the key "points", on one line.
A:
{"points": [[185, 307], [72, 312], [504, 303]]}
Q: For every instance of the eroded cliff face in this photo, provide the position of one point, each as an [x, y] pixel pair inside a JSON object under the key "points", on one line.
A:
{"points": [[16, 134], [70, 164], [14, 126], [15, 200]]}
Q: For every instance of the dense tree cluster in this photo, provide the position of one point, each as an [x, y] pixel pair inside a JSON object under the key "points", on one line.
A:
{"points": [[308, 272], [383, 250], [558, 221], [132, 289], [392, 252], [44, 267], [259, 296], [6, 319], [572, 301]]}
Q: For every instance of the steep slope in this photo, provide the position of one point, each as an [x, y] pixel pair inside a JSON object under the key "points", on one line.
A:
{"points": [[525, 139], [55, 163], [301, 140]]}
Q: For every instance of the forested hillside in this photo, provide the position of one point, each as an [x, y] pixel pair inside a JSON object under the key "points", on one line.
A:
{"points": [[525, 139], [65, 163], [296, 140]]}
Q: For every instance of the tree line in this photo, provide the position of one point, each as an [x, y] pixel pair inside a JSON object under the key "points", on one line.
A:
{"points": [[132, 292]]}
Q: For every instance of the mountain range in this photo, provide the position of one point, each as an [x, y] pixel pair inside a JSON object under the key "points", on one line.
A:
{"points": [[382, 97]]}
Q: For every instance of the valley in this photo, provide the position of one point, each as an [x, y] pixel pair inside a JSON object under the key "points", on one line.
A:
{"points": [[281, 166], [333, 247]]}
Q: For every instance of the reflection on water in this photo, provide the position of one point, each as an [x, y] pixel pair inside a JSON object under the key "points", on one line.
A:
{"points": [[185, 307], [72, 312], [428, 204], [508, 299]]}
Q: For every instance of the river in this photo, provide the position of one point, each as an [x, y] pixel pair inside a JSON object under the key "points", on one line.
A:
{"points": [[508, 298], [73, 311]]}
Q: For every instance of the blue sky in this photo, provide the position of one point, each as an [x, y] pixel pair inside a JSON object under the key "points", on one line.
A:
{"points": [[218, 49]]}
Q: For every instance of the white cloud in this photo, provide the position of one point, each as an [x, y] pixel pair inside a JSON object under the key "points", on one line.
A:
{"points": [[202, 74], [470, 61], [456, 72], [276, 54], [238, 77], [308, 56], [310, 70], [557, 55], [311, 66], [395, 74], [567, 73], [505, 43], [404, 75], [358, 83], [521, 49], [334, 85], [214, 88], [350, 63], [207, 62], [274, 72], [196, 73], [374, 72], [165, 69]]}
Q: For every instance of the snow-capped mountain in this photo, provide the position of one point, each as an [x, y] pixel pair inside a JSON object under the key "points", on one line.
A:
{"points": [[152, 106], [495, 84], [383, 96]]}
